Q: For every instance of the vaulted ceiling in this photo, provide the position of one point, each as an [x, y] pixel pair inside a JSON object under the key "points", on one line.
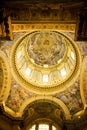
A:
{"points": [[42, 65]]}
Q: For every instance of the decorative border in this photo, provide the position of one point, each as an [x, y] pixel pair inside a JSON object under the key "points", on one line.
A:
{"points": [[83, 82], [7, 78], [34, 26]]}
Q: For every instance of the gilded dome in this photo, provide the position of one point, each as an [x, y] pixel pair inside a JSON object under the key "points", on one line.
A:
{"points": [[45, 60]]}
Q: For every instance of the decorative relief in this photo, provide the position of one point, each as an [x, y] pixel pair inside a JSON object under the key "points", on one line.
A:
{"points": [[59, 114], [32, 26], [43, 108], [43, 14], [31, 112]]}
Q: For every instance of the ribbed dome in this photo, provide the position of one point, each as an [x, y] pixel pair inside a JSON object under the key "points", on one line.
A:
{"points": [[45, 60]]}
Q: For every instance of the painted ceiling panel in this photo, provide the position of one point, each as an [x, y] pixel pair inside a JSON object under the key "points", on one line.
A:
{"points": [[18, 94]]}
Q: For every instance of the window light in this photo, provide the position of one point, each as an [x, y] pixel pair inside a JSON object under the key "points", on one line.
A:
{"points": [[33, 127], [19, 54], [72, 55], [43, 127], [32, 60], [59, 61], [45, 65], [28, 71], [53, 128], [63, 72], [45, 78]]}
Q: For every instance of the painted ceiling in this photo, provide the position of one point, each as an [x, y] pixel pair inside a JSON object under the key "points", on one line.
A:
{"points": [[18, 94], [45, 60]]}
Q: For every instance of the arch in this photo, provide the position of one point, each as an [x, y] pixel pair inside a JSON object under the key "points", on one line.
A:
{"points": [[6, 78], [50, 99], [43, 121], [83, 81]]}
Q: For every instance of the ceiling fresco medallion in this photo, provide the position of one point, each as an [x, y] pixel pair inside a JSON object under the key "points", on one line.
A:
{"points": [[46, 48], [45, 60]]}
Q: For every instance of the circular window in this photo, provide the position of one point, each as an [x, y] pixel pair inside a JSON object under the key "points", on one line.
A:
{"points": [[45, 60]]}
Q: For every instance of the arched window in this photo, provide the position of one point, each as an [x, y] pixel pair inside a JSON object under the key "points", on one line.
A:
{"points": [[43, 127]]}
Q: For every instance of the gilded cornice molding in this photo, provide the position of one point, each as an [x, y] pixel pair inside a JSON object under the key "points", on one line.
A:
{"points": [[83, 81], [6, 78]]}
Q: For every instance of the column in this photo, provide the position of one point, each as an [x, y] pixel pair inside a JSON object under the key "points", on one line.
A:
{"points": [[36, 128], [50, 127]]}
